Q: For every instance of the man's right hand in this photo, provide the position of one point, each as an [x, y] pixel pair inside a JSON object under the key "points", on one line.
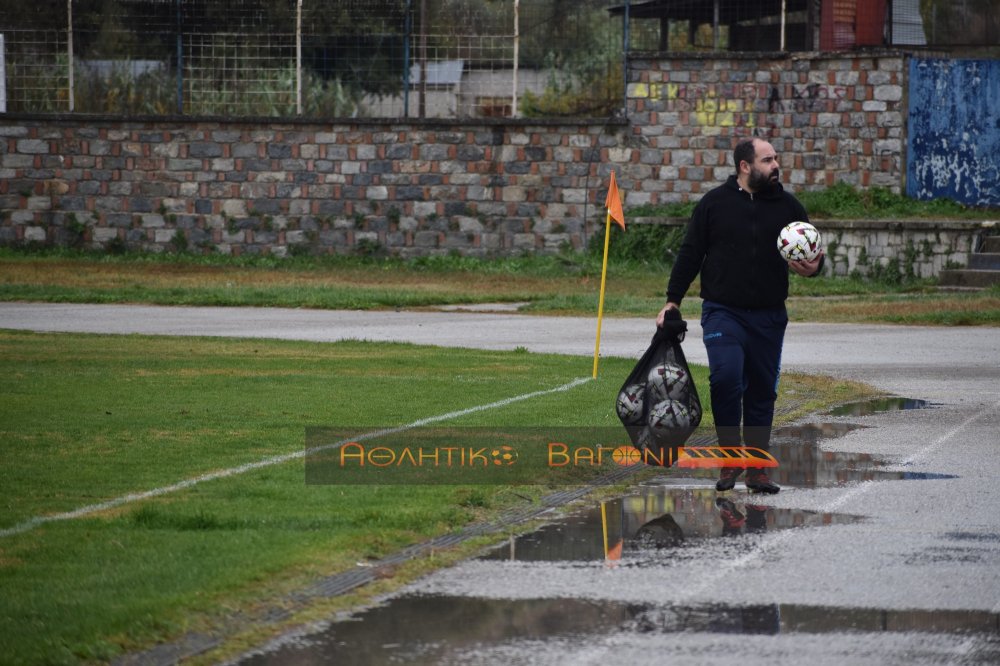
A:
{"points": [[663, 313]]}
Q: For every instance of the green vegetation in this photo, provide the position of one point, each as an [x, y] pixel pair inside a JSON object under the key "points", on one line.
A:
{"points": [[846, 202], [584, 81], [592, 93], [91, 418], [349, 57], [896, 305], [843, 201], [653, 245], [317, 282], [557, 284], [264, 92], [682, 210]]}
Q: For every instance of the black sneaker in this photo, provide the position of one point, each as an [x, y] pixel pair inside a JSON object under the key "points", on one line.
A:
{"points": [[727, 478], [757, 482]]}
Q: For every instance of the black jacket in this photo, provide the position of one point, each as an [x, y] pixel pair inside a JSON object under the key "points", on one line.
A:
{"points": [[732, 240]]}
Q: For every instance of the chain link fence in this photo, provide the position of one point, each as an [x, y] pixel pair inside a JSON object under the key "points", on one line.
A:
{"points": [[415, 58], [312, 58]]}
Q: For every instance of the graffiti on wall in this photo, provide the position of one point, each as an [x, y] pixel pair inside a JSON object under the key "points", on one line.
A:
{"points": [[808, 98], [741, 106], [954, 127], [722, 105]]}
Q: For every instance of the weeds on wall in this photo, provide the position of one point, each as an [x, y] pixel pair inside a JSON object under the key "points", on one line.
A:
{"points": [[119, 88]]}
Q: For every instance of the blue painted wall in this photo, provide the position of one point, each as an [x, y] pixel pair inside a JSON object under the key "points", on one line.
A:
{"points": [[954, 130]]}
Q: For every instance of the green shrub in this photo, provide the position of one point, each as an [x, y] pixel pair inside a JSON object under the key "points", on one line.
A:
{"points": [[844, 201], [651, 244]]}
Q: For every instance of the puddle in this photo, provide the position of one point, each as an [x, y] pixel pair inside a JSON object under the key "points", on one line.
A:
{"points": [[671, 510], [803, 464], [633, 526], [869, 407], [446, 629]]}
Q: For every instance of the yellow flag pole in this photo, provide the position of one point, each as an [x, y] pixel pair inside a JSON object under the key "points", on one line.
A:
{"points": [[600, 303], [604, 528]]}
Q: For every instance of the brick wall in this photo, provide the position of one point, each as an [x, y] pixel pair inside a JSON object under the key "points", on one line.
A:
{"points": [[831, 118], [412, 188]]}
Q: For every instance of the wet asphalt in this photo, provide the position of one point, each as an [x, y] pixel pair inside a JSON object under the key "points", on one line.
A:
{"points": [[901, 565]]}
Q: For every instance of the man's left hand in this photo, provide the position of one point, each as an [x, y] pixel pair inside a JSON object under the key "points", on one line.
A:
{"points": [[806, 268]]}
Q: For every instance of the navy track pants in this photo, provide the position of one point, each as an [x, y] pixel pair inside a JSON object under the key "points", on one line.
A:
{"points": [[744, 360]]}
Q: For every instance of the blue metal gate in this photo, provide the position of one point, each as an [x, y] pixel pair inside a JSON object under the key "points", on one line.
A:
{"points": [[954, 131]]}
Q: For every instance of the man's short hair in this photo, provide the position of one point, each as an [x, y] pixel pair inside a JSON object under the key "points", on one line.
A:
{"points": [[745, 151]]}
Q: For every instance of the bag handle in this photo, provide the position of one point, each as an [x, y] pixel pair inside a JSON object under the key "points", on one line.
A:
{"points": [[674, 327]]}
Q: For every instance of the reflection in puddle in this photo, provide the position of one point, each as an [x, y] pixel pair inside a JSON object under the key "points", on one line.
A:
{"points": [[803, 464], [634, 526], [671, 510], [444, 629], [869, 407]]}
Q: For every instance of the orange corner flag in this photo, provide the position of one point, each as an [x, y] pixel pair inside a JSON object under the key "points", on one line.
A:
{"points": [[614, 203]]}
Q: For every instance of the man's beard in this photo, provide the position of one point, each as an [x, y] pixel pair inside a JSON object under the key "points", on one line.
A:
{"points": [[761, 181]]}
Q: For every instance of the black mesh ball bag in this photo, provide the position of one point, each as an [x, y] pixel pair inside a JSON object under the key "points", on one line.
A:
{"points": [[658, 404]]}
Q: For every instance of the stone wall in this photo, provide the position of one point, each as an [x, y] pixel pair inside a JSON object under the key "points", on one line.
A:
{"points": [[914, 248], [488, 188], [882, 248], [831, 118], [472, 187]]}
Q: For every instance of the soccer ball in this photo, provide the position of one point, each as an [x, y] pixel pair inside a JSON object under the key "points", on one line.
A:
{"points": [[799, 241], [629, 404], [667, 381], [668, 415]]}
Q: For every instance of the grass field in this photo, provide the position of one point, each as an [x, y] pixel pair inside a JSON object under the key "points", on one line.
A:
{"points": [[562, 285], [86, 419]]}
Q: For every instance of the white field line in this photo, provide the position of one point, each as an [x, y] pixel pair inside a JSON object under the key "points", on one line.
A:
{"points": [[274, 460]]}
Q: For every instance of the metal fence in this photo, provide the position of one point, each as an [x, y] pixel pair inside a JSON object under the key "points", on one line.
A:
{"points": [[414, 58], [312, 58]]}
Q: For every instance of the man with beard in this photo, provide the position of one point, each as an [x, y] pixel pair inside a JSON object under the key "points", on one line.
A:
{"points": [[731, 241]]}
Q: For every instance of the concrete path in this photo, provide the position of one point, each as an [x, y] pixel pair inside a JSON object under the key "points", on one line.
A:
{"points": [[867, 352]]}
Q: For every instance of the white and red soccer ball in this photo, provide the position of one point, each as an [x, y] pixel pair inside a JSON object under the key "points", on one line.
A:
{"points": [[667, 416], [799, 241], [667, 381], [629, 404]]}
